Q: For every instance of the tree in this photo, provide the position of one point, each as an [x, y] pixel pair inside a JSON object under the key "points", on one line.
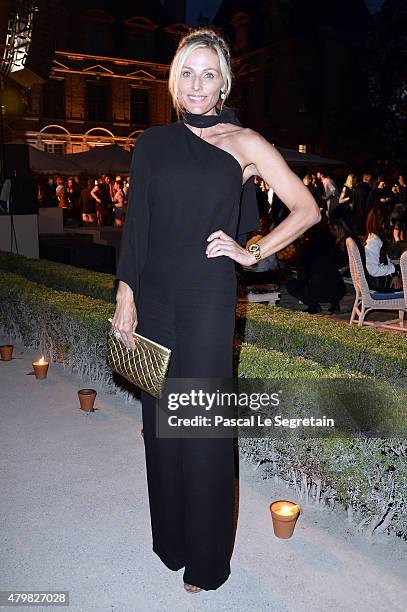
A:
{"points": [[387, 60]]}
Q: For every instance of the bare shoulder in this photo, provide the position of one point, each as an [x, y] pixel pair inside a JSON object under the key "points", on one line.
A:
{"points": [[250, 139], [255, 151]]}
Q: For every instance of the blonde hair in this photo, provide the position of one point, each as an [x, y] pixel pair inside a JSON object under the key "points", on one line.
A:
{"points": [[350, 180], [198, 39]]}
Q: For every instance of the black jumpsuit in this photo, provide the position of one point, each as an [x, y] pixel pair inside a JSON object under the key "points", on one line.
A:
{"points": [[182, 189]]}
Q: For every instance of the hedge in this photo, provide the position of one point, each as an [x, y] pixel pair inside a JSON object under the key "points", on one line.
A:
{"points": [[373, 352], [68, 328], [367, 476], [326, 341], [71, 329], [60, 276]]}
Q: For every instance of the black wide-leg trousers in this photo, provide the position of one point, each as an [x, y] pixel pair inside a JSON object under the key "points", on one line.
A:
{"points": [[191, 482]]}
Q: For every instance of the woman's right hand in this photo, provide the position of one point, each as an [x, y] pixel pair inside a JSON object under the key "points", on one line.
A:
{"points": [[125, 316]]}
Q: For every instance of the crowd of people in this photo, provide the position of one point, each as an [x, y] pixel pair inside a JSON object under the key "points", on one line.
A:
{"points": [[93, 202], [372, 212]]}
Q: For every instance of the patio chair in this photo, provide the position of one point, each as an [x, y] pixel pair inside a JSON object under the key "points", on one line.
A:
{"points": [[262, 293], [367, 300]]}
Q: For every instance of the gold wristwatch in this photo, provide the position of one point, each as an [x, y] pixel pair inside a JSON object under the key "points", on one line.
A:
{"points": [[254, 249]]}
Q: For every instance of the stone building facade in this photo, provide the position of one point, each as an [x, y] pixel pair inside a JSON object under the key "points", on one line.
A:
{"points": [[108, 82], [298, 74]]}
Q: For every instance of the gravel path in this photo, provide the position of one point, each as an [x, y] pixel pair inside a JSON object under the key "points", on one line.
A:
{"points": [[74, 516]]}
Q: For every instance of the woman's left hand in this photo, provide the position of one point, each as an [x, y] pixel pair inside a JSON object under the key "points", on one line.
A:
{"points": [[222, 244]]}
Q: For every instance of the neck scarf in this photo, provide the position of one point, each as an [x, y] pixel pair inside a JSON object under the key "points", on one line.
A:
{"points": [[249, 214], [226, 115]]}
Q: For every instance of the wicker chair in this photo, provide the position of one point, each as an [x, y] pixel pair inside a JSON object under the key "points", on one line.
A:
{"points": [[367, 300]]}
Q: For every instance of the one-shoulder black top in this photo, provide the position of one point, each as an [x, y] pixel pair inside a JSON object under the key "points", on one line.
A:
{"points": [[182, 188]]}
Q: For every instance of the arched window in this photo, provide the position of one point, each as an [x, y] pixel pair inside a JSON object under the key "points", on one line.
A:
{"points": [[99, 131], [53, 139], [54, 129], [135, 134]]}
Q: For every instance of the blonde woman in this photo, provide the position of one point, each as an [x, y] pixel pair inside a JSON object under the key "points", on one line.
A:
{"points": [[177, 286], [349, 185]]}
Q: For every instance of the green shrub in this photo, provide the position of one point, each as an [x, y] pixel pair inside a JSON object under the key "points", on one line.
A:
{"points": [[60, 276], [327, 341], [67, 327], [258, 362]]}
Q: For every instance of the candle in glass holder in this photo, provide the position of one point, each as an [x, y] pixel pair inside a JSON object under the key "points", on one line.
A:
{"points": [[40, 368], [284, 515]]}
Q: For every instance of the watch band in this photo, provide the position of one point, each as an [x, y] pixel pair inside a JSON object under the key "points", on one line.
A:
{"points": [[254, 249]]}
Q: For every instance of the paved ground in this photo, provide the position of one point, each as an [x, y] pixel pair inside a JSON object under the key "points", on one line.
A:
{"points": [[74, 516]]}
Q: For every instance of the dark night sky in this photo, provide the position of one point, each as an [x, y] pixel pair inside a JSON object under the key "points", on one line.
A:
{"points": [[210, 7]]}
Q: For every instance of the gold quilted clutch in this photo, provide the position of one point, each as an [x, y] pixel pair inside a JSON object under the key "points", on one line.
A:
{"points": [[146, 366]]}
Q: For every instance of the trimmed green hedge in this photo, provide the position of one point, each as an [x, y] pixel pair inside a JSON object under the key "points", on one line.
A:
{"points": [[68, 328], [71, 329], [329, 342], [326, 341], [258, 362], [60, 276], [367, 476]]}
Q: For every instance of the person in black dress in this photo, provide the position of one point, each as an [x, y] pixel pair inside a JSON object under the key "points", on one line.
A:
{"points": [[382, 196], [87, 203], [318, 279], [360, 197], [177, 285], [72, 194]]}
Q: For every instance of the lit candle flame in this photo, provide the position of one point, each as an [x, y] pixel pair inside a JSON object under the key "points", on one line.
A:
{"points": [[287, 510], [42, 361]]}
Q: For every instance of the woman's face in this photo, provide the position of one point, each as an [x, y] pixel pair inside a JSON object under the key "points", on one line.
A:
{"points": [[200, 82]]}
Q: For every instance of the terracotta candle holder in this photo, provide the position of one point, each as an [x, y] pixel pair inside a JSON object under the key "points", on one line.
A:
{"points": [[40, 368], [87, 399], [284, 515], [6, 352]]}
